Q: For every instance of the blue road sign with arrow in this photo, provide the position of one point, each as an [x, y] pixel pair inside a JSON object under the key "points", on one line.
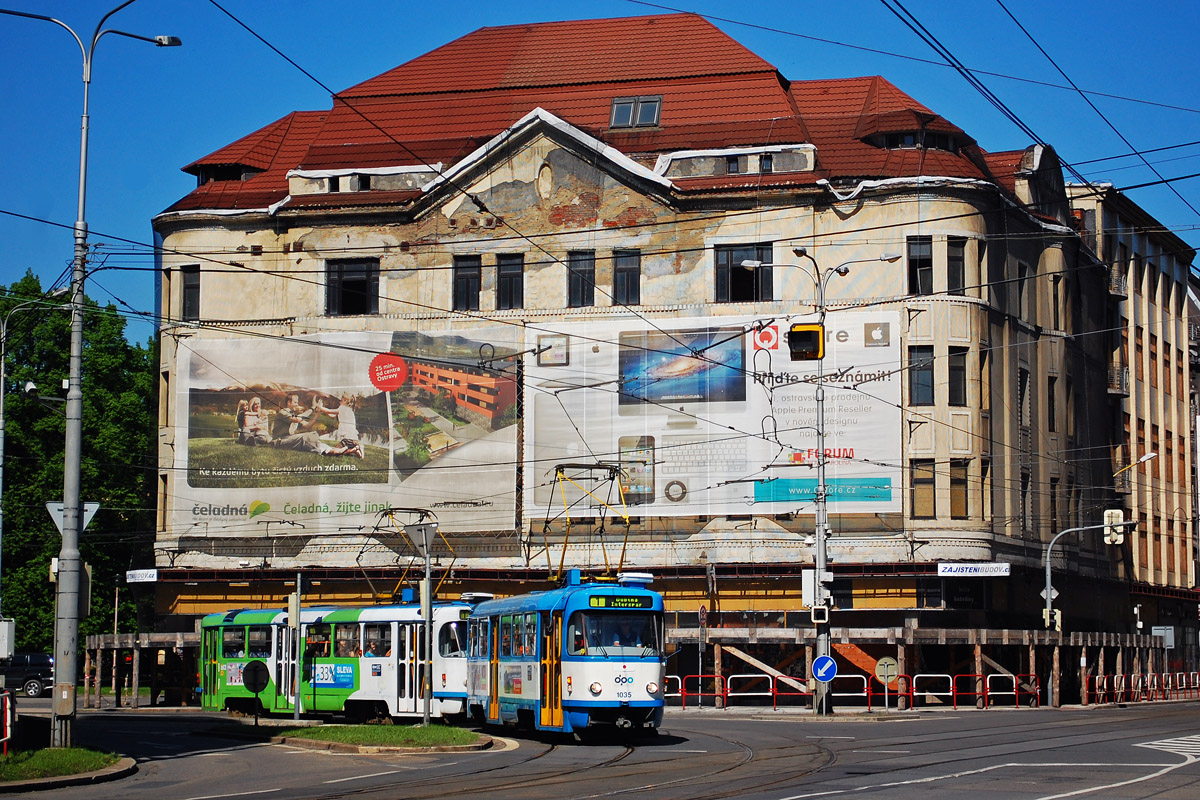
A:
{"points": [[824, 669]]}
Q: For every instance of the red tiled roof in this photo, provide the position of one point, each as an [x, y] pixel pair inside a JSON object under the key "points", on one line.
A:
{"points": [[696, 112], [659, 47], [840, 112], [715, 93], [284, 141]]}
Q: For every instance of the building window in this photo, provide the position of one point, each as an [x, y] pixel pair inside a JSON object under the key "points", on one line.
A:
{"points": [[190, 294], [766, 162], [352, 287], [956, 366], [921, 475], [468, 272], [920, 265], [627, 277], [960, 506], [364, 183], [581, 278], [630, 112], [733, 165], [956, 252], [510, 281], [738, 284], [1051, 417], [920, 375], [335, 183]]}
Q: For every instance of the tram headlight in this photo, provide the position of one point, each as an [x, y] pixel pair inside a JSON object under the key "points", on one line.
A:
{"points": [[596, 688], [651, 688]]}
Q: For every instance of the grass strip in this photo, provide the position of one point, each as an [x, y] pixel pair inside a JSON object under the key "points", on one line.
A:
{"points": [[29, 764], [384, 735]]}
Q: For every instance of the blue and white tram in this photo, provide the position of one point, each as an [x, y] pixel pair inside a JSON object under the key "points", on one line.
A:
{"points": [[585, 655]]}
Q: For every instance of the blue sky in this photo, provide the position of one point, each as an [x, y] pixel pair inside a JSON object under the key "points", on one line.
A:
{"points": [[154, 110]]}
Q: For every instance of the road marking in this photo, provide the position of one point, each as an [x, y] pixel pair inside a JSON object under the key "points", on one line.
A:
{"points": [[234, 794], [828, 737], [880, 751], [364, 777], [1016, 765]]}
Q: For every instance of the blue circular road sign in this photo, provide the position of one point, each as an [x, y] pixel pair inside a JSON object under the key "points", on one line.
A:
{"points": [[824, 669]]}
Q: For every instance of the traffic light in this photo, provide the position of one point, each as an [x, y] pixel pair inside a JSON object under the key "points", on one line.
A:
{"points": [[1052, 618], [806, 342], [1114, 529]]}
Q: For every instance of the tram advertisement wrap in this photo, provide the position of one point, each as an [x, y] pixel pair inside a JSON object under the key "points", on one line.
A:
{"points": [[324, 432], [710, 416]]}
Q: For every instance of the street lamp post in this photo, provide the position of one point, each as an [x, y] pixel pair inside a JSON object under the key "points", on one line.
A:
{"points": [[820, 279], [26, 306], [66, 621]]}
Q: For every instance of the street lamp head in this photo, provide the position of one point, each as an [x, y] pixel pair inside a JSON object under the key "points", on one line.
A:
{"points": [[891, 258], [842, 270], [1147, 457], [167, 41], [751, 264], [799, 252]]}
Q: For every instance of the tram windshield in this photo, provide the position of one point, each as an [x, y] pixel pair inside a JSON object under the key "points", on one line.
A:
{"points": [[614, 633], [452, 639]]}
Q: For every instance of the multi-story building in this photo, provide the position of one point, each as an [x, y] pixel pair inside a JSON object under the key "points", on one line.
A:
{"points": [[1148, 330], [538, 283]]}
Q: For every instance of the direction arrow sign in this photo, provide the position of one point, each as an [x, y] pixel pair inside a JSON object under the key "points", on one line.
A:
{"points": [[824, 669], [56, 512]]}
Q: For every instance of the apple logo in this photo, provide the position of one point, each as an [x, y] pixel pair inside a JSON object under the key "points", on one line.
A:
{"points": [[877, 334]]}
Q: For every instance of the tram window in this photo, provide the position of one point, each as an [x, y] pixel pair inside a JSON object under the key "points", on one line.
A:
{"points": [[478, 638], [233, 643], [258, 641], [317, 641], [452, 639], [506, 636], [402, 640], [346, 636], [576, 637], [530, 634], [378, 639]]}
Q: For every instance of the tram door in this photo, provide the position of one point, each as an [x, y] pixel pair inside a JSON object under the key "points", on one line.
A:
{"points": [[211, 669], [285, 667], [551, 667], [494, 670], [405, 648]]}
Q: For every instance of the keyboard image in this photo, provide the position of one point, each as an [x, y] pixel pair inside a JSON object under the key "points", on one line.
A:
{"points": [[688, 455]]}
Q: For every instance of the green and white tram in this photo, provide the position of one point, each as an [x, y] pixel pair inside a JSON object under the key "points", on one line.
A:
{"points": [[360, 661]]}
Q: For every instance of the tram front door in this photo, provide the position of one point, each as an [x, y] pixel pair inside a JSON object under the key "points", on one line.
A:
{"points": [[551, 669]]}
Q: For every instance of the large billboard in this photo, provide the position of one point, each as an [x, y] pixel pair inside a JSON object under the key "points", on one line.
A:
{"points": [[709, 416], [321, 433]]}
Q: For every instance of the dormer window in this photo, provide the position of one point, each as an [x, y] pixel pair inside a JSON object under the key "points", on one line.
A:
{"points": [[635, 112], [930, 140]]}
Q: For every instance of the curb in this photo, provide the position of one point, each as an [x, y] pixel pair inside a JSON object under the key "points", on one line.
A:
{"points": [[485, 742], [122, 769]]}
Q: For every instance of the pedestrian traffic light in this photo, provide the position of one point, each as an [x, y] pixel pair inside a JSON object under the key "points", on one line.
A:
{"points": [[806, 342], [1114, 527]]}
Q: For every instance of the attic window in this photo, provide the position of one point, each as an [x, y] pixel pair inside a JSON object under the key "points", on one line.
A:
{"points": [[930, 140], [635, 112], [224, 172]]}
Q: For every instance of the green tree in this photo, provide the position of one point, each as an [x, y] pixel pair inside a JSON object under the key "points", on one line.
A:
{"points": [[117, 469]]}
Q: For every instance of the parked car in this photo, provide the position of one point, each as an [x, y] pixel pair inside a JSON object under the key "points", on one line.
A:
{"points": [[28, 673]]}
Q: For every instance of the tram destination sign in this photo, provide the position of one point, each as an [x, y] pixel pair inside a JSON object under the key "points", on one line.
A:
{"points": [[621, 601]]}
